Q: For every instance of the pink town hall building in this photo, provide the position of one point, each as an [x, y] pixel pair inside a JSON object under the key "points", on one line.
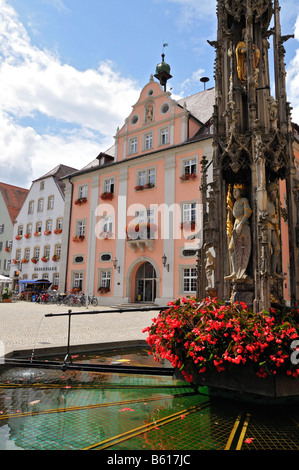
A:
{"points": [[134, 213]]}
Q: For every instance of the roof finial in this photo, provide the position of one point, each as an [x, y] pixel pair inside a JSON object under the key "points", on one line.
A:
{"points": [[163, 70]]}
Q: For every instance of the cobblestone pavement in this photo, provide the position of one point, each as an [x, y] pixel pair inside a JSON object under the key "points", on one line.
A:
{"points": [[24, 327]]}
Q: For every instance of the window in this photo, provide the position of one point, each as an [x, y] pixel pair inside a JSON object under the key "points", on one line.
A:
{"points": [[42, 185], [29, 229], [58, 250], [81, 226], [190, 280], [51, 202], [18, 254], [27, 253], [30, 207], [38, 227], [49, 225], [189, 212], [165, 108], [40, 205], [59, 223], [148, 141], [7, 263], [105, 279], [56, 279], [108, 225], [83, 191], [1, 228], [189, 167], [146, 177], [109, 186], [47, 251], [36, 252], [134, 119], [20, 230], [164, 136], [133, 145], [78, 281]]}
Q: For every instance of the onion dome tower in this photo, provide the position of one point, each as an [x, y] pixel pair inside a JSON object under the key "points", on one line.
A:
{"points": [[163, 72]]}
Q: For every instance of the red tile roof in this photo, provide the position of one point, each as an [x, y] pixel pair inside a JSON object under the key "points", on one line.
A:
{"points": [[14, 198]]}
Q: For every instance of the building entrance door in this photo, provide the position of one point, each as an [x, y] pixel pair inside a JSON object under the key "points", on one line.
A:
{"points": [[145, 283]]}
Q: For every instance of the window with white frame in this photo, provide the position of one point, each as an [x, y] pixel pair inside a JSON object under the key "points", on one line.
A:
{"points": [[38, 227], [27, 253], [49, 225], [81, 227], [36, 252], [20, 230], [78, 280], [148, 141], [164, 136], [146, 177], [108, 225], [59, 223], [83, 191], [1, 228], [133, 145], [18, 254], [51, 202], [109, 185], [189, 167], [189, 212], [106, 279], [57, 250], [189, 280], [7, 263], [29, 229], [47, 251], [55, 279], [30, 207], [40, 205]]}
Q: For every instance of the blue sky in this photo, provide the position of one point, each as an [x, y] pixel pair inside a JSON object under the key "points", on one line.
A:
{"points": [[70, 70]]}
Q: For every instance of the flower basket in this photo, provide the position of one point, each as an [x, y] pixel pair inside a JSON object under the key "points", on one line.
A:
{"points": [[106, 235], [56, 258], [25, 260], [7, 249], [80, 201], [139, 187], [18, 237], [188, 177], [107, 196], [221, 344], [47, 232], [16, 261], [103, 290], [57, 231], [78, 238], [45, 259], [75, 290], [27, 235], [188, 225], [37, 234], [34, 260]]}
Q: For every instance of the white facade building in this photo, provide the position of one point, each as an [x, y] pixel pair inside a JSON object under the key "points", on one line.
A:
{"points": [[37, 236]]}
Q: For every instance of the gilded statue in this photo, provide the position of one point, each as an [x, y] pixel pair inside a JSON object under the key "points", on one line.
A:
{"points": [[241, 53], [238, 231]]}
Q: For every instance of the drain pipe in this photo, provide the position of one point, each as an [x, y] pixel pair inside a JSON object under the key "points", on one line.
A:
{"points": [[69, 231]]}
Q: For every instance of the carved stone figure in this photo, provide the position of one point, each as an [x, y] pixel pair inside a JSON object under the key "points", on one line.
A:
{"points": [[210, 266], [273, 227], [240, 238]]}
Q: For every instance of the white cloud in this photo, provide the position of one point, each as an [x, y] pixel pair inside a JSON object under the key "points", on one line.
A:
{"points": [[293, 79], [194, 10], [35, 82]]}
